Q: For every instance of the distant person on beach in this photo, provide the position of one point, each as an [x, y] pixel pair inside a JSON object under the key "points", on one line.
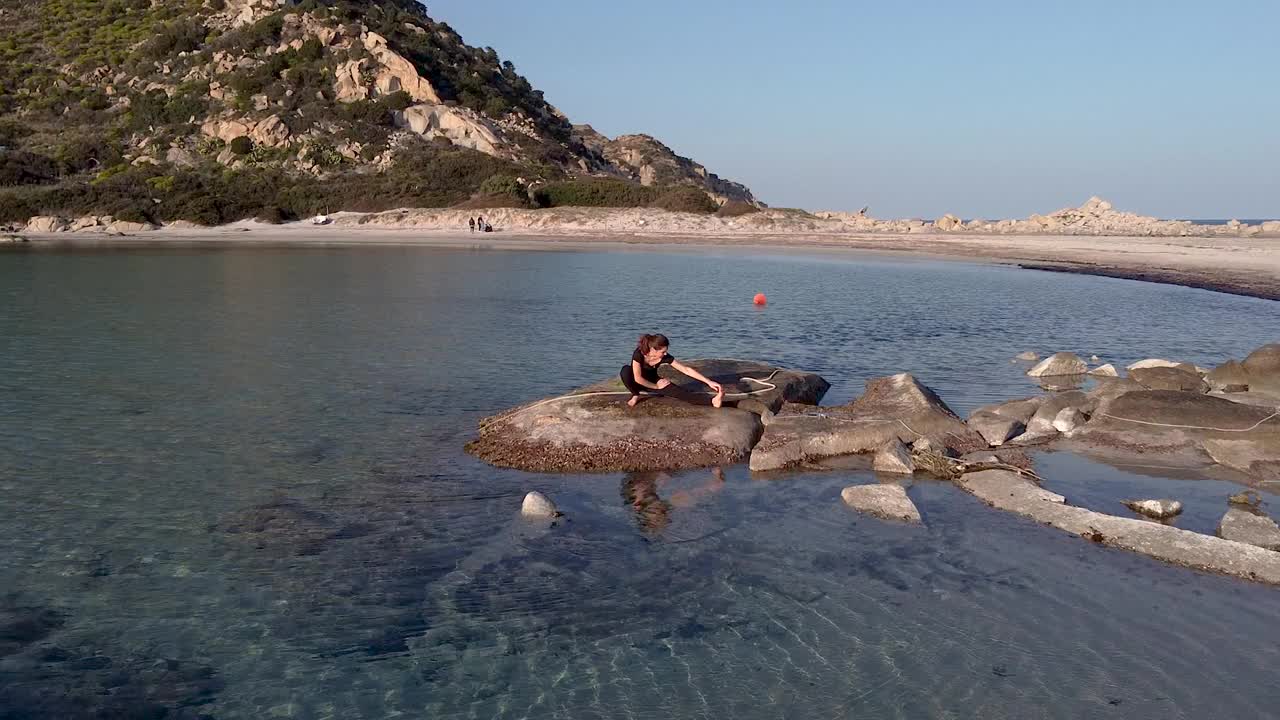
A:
{"points": [[488, 227], [480, 223], [472, 223], [642, 374]]}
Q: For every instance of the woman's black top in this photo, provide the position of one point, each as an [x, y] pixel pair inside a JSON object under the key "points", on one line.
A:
{"points": [[648, 372]]}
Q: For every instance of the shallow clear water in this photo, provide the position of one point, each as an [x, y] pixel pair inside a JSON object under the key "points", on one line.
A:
{"points": [[233, 486]]}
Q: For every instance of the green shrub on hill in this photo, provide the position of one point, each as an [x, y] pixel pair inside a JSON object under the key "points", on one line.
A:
{"points": [[594, 192], [685, 198]]}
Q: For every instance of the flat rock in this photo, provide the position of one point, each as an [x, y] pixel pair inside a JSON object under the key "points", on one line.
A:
{"points": [[1063, 363], [593, 430], [889, 502], [1158, 509], [893, 457], [892, 407], [1169, 378], [1250, 526], [1009, 491], [994, 428]]}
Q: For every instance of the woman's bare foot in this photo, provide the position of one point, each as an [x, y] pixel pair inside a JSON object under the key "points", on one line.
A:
{"points": [[632, 402], [718, 400]]}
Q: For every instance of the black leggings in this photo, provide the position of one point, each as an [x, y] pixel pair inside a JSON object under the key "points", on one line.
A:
{"points": [[671, 391]]}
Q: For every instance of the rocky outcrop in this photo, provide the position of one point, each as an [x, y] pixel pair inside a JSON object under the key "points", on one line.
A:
{"points": [[896, 407], [1054, 411], [124, 227], [888, 502], [994, 428], [348, 82], [1063, 363], [1010, 491], [462, 127], [593, 429], [1250, 526], [1156, 509], [646, 160]]}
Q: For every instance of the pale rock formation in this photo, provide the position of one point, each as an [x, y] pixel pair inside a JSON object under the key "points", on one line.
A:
{"points": [[1152, 363], [225, 129], [181, 157], [46, 224], [270, 132], [1027, 356], [949, 222], [120, 227], [996, 429], [88, 222], [348, 82], [460, 125], [1068, 419], [397, 73]]}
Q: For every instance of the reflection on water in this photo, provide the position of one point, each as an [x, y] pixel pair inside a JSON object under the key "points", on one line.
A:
{"points": [[233, 487]]}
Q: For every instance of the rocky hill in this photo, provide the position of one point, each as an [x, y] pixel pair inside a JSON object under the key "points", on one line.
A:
{"points": [[212, 110]]}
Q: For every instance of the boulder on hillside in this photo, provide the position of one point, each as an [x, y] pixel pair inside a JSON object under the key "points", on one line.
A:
{"points": [[1063, 363], [593, 429], [1169, 378], [888, 502], [892, 407]]}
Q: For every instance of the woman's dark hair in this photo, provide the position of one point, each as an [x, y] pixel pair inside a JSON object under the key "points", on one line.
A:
{"points": [[649, 342]]}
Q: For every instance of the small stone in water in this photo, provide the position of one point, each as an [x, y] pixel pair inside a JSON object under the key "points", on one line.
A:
{"points": [[538, 505], [1158, 509]]}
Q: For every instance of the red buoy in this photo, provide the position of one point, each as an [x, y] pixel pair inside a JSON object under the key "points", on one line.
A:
{"points": [[760, 299]]}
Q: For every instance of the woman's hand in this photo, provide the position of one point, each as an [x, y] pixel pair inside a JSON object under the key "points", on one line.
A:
{"points": [[715, 387], [662, 383]]}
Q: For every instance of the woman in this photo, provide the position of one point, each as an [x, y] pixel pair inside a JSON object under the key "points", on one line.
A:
{"points": [[642, 373]]}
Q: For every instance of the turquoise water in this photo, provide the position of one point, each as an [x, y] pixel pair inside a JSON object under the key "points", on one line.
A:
{"points": [[234, 487]]}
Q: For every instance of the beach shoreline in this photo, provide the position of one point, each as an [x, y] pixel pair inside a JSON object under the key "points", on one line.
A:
{"points": [[1239, 266]]}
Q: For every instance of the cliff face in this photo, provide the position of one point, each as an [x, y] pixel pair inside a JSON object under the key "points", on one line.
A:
{"points": [[304, 88]]}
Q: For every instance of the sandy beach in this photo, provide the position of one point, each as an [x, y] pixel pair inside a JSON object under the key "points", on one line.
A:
{"points": [[1239, 265]]}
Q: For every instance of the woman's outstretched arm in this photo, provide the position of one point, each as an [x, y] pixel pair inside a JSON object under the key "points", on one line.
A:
{"points": [[696, 375]]}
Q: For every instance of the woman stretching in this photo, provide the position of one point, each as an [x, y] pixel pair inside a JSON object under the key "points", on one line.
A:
{"points": [[642, 373]]}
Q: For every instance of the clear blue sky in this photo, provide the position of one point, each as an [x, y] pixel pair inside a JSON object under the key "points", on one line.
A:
{"points": [[987, 108]]}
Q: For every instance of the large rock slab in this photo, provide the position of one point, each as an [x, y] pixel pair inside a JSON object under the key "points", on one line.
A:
{"points": [[753, 385], [888, 502], [1250, 526], [1169, 378], [897, 406], [594, 430], [1010, 491], [1063, 363], [1240, 436]]}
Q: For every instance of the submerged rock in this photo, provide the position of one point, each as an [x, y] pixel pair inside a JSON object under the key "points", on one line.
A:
{"points": [[1009, 491], [892, 407], [1063, 363], [1250, 526], [1158, 509], [593, 429], [537, 505], [1027, 356], [893, 457], [889, 502]]}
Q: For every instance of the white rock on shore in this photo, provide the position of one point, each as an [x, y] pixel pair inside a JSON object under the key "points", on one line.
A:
{"points": [[1063, 363]]}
